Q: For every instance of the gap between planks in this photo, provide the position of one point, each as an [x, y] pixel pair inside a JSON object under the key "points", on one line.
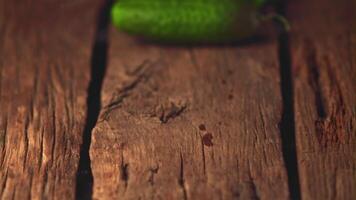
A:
{"points": [[84, 184], [287, 124]]}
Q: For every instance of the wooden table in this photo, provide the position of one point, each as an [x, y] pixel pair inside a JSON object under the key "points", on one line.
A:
{"points": [[88, 112]]}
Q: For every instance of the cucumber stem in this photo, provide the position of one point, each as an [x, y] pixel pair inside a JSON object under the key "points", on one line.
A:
{"points": [[280, 20]]}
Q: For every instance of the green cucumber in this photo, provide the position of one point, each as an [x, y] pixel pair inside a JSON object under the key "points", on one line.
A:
{"points": [[188, 20]]}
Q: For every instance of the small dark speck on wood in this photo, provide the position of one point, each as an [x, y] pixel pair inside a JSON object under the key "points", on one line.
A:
{"points": [[207, 140], [202, 127]]}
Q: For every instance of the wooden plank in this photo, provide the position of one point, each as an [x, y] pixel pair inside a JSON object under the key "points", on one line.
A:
{"points": [[323, 57], [44, 74], [189, 123]]}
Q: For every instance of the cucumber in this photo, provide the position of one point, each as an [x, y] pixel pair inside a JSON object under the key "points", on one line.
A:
{"points": [[188, 21]]}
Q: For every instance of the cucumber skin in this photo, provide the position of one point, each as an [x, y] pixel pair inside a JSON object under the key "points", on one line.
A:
{"points": [[187, 20]]}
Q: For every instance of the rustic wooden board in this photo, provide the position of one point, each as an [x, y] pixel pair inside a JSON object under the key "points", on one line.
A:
{"points": [[189, 123], [44, 74], [323, 59]]}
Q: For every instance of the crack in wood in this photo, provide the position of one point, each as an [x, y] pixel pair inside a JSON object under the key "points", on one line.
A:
{"points": [[203, 150], [40, 160], [153, 172], [141, 74], [124, 171], [84, 182], [332, 115], [332, 130], [139, 68], [27, 122], [314, 78], [287, 122], [203, 155], [263, 123], [3, 141], [181, 179], [172, 112]]}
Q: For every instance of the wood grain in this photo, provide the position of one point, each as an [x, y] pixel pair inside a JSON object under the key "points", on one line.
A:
{"points": [[44, 74], [189, 123], [323, 56]]}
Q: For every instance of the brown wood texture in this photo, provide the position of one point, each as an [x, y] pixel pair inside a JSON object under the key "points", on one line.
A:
{"points": [[176, 122], [324, 67], [189, 123], [44, 74]]}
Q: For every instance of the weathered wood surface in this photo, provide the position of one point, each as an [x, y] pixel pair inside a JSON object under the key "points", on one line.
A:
{"points": [[44, 74], [323, 52], [189, 123], [177, 122]]}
